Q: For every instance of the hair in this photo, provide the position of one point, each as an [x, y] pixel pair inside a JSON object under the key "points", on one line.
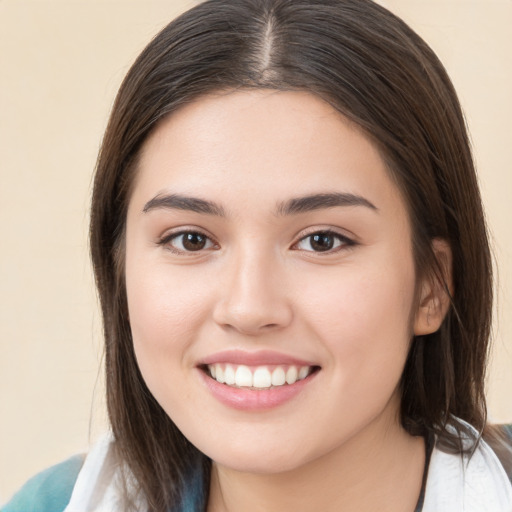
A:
{"points": [[377, 72]]}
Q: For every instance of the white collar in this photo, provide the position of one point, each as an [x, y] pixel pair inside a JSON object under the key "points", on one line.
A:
{"points": [[455, 483], [97, 488], [476, 483]]}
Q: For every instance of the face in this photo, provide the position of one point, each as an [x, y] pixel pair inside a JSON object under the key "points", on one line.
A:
{"points": [[270, 279]]}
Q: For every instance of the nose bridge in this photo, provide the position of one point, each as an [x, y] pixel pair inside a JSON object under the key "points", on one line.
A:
{"points": [[254, 296]]}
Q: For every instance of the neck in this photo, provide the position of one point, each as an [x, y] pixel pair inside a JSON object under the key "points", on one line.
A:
{"points": [[378, 469]]}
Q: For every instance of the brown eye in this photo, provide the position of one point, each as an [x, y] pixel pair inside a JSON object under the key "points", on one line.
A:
{"points": [[323, 241], [194, 241], [188, 241]]}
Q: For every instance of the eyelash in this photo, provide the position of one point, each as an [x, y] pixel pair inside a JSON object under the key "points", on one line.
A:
{"points": [[166, 241], [343, 242]]}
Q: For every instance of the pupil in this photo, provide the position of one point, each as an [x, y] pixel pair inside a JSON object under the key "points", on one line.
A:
{"points": [[194, 241], [322, 242]]}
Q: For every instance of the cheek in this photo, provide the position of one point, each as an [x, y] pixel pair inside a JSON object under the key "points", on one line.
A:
{"points": [[165, 310], [162, 299], [362, 299], [365, 331], [364, 318]]}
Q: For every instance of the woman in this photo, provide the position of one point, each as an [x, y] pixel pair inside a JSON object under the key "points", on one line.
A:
{"points": [[294, 272]]}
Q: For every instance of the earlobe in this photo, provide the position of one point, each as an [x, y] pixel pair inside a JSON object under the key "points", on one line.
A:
{"points": [[436, 291]]}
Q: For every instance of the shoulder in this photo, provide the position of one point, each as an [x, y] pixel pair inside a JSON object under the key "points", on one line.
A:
{"points": [[500, 440], [475, 479], [507, 431], [48, 491]]}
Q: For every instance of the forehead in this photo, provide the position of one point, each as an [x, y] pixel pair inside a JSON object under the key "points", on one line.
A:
{"points": [[272, 143]]}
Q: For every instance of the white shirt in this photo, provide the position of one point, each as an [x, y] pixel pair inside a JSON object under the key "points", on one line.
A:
{"points": [[455, 483]]}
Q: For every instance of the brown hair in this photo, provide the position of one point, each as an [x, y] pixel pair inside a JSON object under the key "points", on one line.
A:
{"points": [[377, 72]]}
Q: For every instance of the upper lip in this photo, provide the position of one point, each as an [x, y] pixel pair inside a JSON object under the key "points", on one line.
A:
{"points": [[259, 358]]}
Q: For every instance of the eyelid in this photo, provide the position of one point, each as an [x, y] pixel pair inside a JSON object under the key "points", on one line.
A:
{"points": [[347, 241], [165, 239], [321, 228]]}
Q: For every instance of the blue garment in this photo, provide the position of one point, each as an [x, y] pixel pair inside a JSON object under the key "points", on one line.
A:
{"points": [[48, 491]]}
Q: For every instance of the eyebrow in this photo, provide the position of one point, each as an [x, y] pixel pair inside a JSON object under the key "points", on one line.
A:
{"points": [[320, 201], [179, 202], [291, 207]]}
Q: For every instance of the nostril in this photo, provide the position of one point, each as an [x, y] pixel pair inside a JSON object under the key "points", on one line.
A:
{"points": [[252, 318]]}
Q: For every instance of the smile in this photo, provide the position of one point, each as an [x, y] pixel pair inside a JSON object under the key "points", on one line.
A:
{"points": [[258, 377], [256, 381]]}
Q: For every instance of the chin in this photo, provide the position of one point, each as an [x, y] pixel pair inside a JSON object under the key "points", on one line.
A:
{"points": [[256, 458], [260, 465]]}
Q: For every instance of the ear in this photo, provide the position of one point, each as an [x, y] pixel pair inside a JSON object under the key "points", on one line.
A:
{"points": [[436, 290]]}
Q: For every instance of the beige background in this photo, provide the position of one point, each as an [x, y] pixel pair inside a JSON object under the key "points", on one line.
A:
{"points": [[60, 65]]}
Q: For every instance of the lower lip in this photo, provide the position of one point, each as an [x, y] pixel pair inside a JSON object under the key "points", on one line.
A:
{"points": [[252, 399]]}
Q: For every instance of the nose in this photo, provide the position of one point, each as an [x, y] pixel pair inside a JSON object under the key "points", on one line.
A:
{"points": [[253, 298]]}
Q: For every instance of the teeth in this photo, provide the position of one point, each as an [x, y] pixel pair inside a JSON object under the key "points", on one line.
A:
{"points": [[229, 375], [219, 373], [291, 375], [303, 372], [243, 377], [260, 377], [278, 377]]}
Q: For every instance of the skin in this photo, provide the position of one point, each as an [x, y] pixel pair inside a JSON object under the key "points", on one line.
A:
{"points": [[258, 284]]}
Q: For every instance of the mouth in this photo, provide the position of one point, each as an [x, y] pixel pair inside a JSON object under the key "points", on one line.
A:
{"points": [[265, 377], [259, 381]]}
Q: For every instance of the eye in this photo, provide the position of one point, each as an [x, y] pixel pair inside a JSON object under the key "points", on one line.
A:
{"points": [[187, 241], [323, 241]]}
